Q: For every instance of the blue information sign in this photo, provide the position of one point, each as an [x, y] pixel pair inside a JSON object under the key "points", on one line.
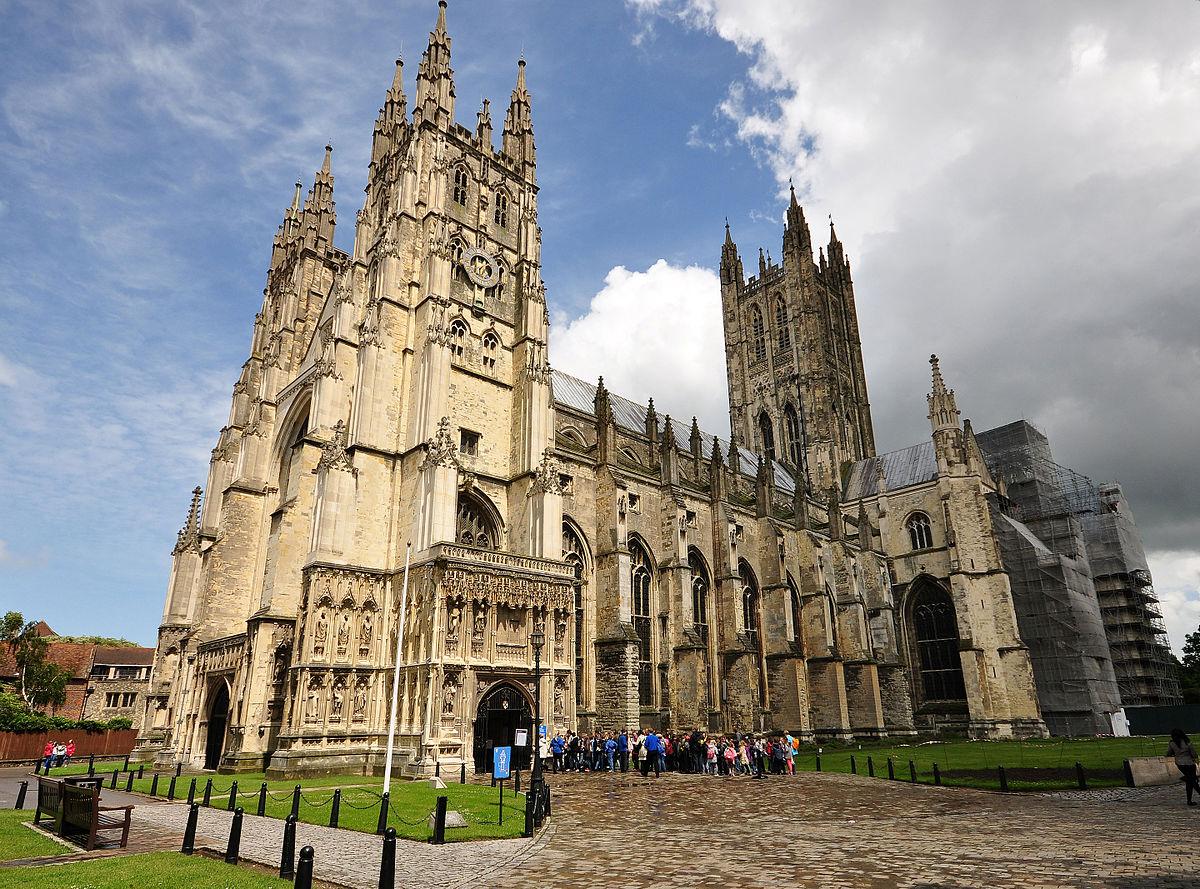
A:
{"points": [[501, 762]]}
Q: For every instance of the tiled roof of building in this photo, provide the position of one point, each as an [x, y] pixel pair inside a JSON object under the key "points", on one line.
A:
{"points": [[124, 656]]}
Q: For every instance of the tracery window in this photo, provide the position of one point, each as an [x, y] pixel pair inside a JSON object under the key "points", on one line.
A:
{"points": [[782, 330], [749, 599], [461, 186], [767, 432], [491, 347], [936, 631], [797, 611], [500, 216], [573, 555], [458, 338], [758, 335], [794, 441], [643, 573], [475, 527], [700, 588], [920, 532]]}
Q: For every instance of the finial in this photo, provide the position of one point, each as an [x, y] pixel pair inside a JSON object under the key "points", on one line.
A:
{"points": [[328, 154], [296, 196]]}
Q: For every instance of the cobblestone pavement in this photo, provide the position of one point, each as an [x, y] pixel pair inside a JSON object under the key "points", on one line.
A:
{"points": [[833, 831]]}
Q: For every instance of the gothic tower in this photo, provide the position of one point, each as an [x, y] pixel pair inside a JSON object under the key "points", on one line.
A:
{"points": [[797, 390]]}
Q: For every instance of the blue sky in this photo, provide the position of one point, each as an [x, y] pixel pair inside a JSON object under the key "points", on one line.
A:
{"points": [[990, 173]]}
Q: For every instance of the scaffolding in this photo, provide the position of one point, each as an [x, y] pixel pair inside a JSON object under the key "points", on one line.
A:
{"points": [[1092, 525]]}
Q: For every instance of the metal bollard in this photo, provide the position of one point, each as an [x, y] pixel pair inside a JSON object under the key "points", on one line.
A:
{"points": [[937, 775], [891, 770], [870, 767], [546, 794], [262, 799], [818, 762], [113, 784], [530, 820], [437, 769], [462, 774], [235, 838], [178, 769], [296, 803], [154, 785], [126, 763], [1003, 779], [287, 860], [91, 764], [1080, 776], [517, 782], [171, 789], [141, 768], [912, 771], [1128, 773], [208, 793], [129, 782], [439, 822], [335, 810], [21, 795], [189, 835], [853, 765], [192, 792], [387, 864], [383, 813], [305, 868], [37, 768], [232, 796]]}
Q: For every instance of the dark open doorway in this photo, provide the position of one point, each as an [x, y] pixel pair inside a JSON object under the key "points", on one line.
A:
{"points": [[502, 711], [218, 716]]}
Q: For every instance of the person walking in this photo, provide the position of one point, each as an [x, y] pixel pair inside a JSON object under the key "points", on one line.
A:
{"points": [[47, 757], [1185, 760], [70, 751], [623, 749], [557, 748], [651, 748]]}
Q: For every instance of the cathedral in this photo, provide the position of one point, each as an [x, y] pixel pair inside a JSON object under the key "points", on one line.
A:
{"points": [[401, 469]]}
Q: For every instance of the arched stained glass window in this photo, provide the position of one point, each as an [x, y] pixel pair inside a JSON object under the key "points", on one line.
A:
{"points": [[643, 575], [935, 629], [920, 532], [475, 527], [462, 186], [767, 434], [783, 331], [758, 335]]}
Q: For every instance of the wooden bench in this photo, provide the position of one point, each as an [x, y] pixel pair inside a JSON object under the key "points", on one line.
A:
{"points": [[75, 810]]}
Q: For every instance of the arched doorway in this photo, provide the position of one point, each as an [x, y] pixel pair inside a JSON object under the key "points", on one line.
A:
{"points": [[218, 716], [503, 710], [937, 665]]}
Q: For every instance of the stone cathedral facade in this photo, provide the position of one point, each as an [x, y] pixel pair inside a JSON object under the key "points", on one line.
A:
{"points": [[399, 398]]}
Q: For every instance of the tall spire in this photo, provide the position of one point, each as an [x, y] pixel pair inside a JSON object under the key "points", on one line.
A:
{"points": [[483, 125], [518, 125], [943, 410], [189, 534], [796, 230], [731, 262], [435, 77], [320, 214], [396, 106]]}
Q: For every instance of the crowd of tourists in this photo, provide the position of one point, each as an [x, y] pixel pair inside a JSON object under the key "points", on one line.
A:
{"points": [[56, 753], [695, 752]]}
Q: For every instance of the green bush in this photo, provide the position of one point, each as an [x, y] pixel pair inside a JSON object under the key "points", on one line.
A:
{"points": [[15, 718]]}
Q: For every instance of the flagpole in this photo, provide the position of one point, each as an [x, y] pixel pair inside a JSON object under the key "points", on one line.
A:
{"points": [[391, 744]]}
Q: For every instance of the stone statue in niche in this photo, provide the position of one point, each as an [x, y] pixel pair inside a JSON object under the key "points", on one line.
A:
{"points": [[312, 705], [449, 694], [360, 699], [480, 621], [320, 633], [453, 619], [560, 628], [539, 620], [365, 634], [343, 633], [336, 704], [560, 695]]}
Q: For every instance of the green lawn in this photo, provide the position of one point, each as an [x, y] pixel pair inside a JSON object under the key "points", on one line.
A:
{"points": [[18, 841], [154, 870], [974, 763]]}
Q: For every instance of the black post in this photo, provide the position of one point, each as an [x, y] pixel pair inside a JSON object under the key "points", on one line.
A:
{"points": [[546, 793], [462, 774], [536, 640], [129, 782], [262, 799], [501, 800], [383, 813], [235, 838], [336, 809], [517, 782], [304, 871], [437, 769], [21, 795], [296, 803], [232, 795], [113, 784], [1080, 776], [439, 822], [937, 775], [178, 769], [870, 767], [192, 792], [208, 793], [853, 765], [818, 762], [37, 768], [387, 864], [287, 861], [171, 789], [154, 785], [189, 835], [1128, 773], [1003, 779], [530, 807], [91, 764], [891, 770], [126, 763], [912, 771], [140, 769]]}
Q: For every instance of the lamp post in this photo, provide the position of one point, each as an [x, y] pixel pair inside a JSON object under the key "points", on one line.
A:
{"points": [[536, 640]]}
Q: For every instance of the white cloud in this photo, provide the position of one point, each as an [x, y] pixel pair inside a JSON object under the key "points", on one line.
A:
{"points": [[626, 337], [1177, 582]]}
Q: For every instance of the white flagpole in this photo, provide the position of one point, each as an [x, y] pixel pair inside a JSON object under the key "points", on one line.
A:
{"points": [[387, 769]]}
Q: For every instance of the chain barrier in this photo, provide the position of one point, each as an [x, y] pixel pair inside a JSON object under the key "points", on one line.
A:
{"points": [[392, 812], [287, 796], [304, 799], [374, 805]]}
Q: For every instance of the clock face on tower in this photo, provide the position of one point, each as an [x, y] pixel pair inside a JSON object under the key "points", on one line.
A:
{"points": [[482, 269]]}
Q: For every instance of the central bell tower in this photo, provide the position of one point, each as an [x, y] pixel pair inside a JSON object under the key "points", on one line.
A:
{"points": [[797, 390]]}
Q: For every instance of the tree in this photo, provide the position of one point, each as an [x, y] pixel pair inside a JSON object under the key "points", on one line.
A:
{"points": [[40, 682]]}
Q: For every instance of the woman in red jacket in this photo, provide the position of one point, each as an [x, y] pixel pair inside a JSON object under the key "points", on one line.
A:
{"points": [[47, 757]]}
